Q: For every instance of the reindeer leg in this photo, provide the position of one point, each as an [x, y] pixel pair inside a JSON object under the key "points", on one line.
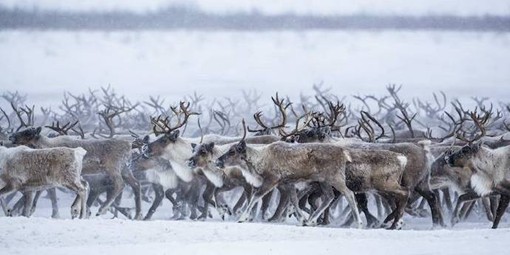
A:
{"points": [[503, 204], [17, 208], [293, 196], [503, 189], [221, 205], [488, 211], [34, 202], [246, 196], [29, 196], [268, 184], [118, 185], [81, 195], [9, 187], [340, 185], [447, 199], [494, 204], [432, 200], [466, 210], [401, 196], [328, 196], [471, 195], [4, 206], [361, 199], [159, 195], [54, 203], [207, 196], [285, 191], [128, 177], [266, 200]]}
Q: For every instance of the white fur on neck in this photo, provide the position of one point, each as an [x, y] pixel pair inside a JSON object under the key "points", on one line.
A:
{"points": [[183, 172], [166, 178], [481, 185], [214, 178], [253, 179]]}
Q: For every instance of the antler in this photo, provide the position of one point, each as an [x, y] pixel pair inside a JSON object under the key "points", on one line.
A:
{"points": [[282, 107], [164, 124], [296, 130], [366, 117], [480, 122], [62, 130], [29, 112]]}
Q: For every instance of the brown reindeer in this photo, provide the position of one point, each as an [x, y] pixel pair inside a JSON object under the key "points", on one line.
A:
{"points": [[267, 166], [108, 156], [28, 170]]}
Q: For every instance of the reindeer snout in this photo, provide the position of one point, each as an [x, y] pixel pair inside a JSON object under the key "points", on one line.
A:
{"points": [[192, 163], [219, 163]]}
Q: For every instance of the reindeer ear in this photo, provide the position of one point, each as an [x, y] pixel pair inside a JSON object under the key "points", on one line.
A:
{"points": [[193, 145], [38, 130], [146, 139], [210, 146], [241, 146]]}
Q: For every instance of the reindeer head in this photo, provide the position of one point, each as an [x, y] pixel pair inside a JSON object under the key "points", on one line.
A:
{"points": [[235, 156], [28, 137], [461, 157], [202, 155], [158, 147]]}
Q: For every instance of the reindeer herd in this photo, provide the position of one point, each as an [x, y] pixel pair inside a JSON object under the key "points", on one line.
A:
{"points": [[301, 161]]}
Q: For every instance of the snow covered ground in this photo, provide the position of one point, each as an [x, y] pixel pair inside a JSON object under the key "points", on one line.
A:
{"points": [[216, 64], [323, 7], [41, 235]]}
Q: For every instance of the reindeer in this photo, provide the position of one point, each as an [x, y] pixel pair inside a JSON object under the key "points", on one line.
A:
{"points": [[26, 170], [109, 156], [267, 166], [490, 173]]}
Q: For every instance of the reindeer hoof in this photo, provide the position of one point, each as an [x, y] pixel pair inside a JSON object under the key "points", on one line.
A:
{"points": [[309, 223]]}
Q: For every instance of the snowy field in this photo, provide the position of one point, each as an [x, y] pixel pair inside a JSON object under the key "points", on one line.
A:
{"points": [[41, 235], [173, 64]]}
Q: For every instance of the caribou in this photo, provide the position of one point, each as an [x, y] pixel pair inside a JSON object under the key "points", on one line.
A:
{"points": [[27, 170]]}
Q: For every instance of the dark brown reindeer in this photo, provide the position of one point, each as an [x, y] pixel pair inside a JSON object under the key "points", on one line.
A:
{"points": [[104, 156]]}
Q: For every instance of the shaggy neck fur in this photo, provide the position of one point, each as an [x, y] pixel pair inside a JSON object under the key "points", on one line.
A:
{"points": [[178, 153], [255, 164], [491, 168]]}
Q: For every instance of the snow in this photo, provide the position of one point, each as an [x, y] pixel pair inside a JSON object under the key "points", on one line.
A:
{"points": [[220, 64], [116, 236], [271, 7], [102, 235]]}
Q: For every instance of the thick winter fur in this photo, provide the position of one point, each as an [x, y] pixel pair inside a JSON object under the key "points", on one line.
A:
{"points": [[159, 172], [380, 171], [416, 173], [490, 172], [108, 156], [282, 162], [490, 167], [26, 169]]}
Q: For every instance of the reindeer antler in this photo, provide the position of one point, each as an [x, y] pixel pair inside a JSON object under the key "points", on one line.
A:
{"points": [[282, 108], [480, 122], [62, 130], [29, 112], [164, 123]]}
